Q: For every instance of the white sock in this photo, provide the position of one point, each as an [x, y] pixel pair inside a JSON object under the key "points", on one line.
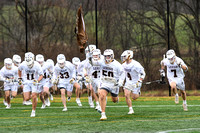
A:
{"points": [[77, 99], [33, 111], [130, 108], [97, 103], [184, 102], [176, 94], [103, 113]]}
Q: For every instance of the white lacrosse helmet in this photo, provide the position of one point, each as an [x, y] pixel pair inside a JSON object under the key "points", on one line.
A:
{"points": [[50, 61], [40, 59], [29, 59], [16, 59], [75, 61], [127, 54], [61, 60], [108, 55], [96, 54], [8, 63], [171, 56]]}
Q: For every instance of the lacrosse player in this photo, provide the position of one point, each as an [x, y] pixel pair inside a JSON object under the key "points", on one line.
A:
{"points": [[45, 82], [64, 76], [8, 74], [135, 74], [77, 84], [112, 77], [52, 87], [33, 74], [175, 75], [95, 72], [83, 67]]}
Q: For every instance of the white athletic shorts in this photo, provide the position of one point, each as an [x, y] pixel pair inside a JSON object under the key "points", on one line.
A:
{"points": [[180, 84], [10, 88], [131, 86], [29, 87], [114, 90], [95, 85], [67, 87]]}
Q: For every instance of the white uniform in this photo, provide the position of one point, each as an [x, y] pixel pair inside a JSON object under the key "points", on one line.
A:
{"points": [[10, 74], [133, 71], [64, 75], [45, 82], [82, 69], [29, 75], [111, 74], [175, 73], [95, 74]]}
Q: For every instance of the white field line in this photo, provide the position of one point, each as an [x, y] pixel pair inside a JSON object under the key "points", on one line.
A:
{"points": [[178, 130], [136, 106]]}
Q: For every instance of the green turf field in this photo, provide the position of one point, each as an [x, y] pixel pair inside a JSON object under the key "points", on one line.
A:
{"points": [[152, 114]]}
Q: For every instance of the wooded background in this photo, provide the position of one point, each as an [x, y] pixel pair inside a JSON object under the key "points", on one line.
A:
{"points": [[139, 25]]}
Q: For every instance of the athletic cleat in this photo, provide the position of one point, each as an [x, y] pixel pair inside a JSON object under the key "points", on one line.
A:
{"points": [[51, 97], [47, 102], [27, 102], [176, 99], [91, 105], [131, 112], [8, 106], [103, 118], [33, 114], [185, 107], [5, 103], [78, 102], [43, 106], [65, 109], [68, 98]]}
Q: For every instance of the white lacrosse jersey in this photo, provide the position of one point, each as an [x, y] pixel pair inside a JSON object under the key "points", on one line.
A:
{"points": [[47, 69], [64, 74], [111, 74], [81, 69], [133, 71], [173, 70], [30, 73], [9, 74]]}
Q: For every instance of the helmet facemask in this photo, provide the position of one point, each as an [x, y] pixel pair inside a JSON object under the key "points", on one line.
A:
{"points": [[8, 63], [96, 55], [108, 58], [61, 60], [29, 59], [108, 55], [171, 56], [126, 55], [16, 60]]}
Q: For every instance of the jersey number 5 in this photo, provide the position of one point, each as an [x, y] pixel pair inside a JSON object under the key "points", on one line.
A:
{"points": [[108, 73]]}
